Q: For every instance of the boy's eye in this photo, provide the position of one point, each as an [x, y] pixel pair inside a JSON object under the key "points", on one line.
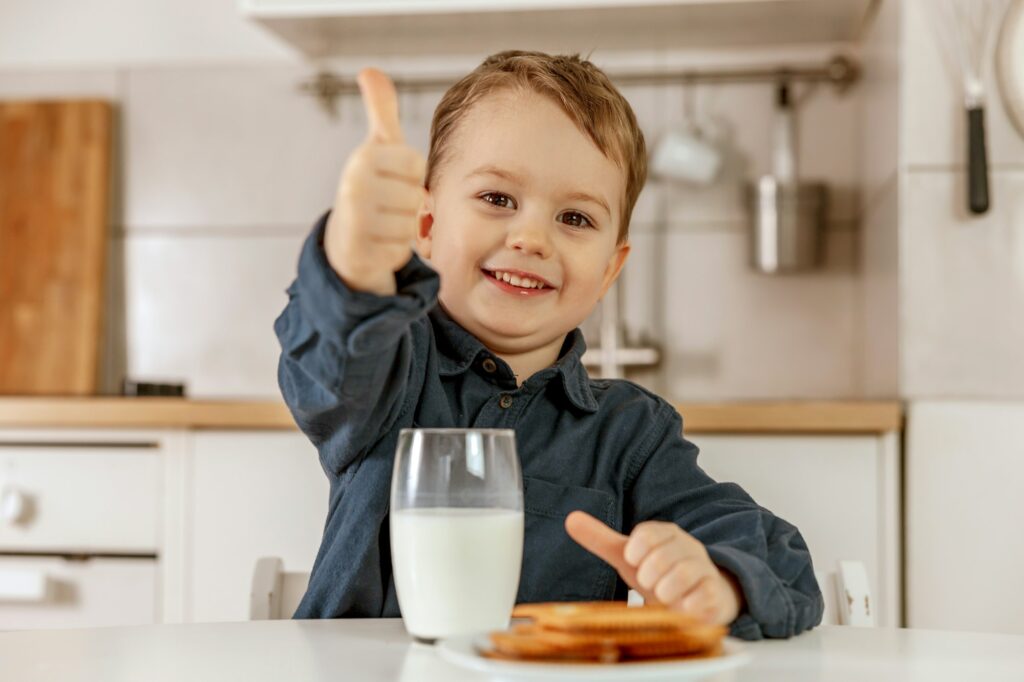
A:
{"points": [[578, 219], [497, 198], [500, 200]]}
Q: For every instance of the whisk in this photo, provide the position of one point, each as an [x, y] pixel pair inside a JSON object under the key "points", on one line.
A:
{"points": [[969, 26]]}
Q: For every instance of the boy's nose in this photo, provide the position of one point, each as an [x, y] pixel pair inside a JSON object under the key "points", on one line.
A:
{"points": [[530, 238]]}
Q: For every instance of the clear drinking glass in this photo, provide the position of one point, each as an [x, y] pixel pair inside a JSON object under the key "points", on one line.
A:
{"points": [[456, 529]]}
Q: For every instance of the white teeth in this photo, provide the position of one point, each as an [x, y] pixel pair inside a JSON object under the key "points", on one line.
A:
{"points": [[517, 281]]}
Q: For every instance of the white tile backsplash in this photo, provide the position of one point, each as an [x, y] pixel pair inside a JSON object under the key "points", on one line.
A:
{"points": [[879, 312], [48, 83], [963, 298], [231, 146], [200, 308], [730, 333], [880, 227]]}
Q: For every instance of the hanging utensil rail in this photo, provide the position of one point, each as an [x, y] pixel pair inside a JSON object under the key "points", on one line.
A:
{"points": [[840, 71]]}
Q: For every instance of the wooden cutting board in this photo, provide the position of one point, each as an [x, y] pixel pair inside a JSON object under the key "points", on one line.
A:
{"points": [[54, 200]]}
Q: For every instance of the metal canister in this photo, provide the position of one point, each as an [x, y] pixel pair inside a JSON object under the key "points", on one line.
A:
{"points": [[787, 222]]}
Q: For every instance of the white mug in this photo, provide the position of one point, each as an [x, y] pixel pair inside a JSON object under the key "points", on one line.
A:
{"points": [[686, 155]]}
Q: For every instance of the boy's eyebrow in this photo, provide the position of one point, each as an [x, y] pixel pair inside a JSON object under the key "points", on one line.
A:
{"points": [[518, 179]]}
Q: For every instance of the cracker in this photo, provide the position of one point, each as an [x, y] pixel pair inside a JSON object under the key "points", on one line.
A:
{"points": [[531, 610], [604, 632], [531, 641], [589, 618]]}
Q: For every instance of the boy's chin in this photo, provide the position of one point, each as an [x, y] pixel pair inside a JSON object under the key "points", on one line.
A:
{"points": [[511, 333], [505, 328]]}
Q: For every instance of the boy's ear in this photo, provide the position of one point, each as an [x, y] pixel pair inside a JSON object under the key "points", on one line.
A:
{"points": [[425, 228], [615, 264]]}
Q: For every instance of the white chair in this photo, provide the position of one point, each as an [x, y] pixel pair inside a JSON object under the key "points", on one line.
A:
{"points": [[275, 593], [848, 599]]}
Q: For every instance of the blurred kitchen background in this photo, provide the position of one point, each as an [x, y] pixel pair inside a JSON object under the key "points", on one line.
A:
{"points": [[874, 396]]}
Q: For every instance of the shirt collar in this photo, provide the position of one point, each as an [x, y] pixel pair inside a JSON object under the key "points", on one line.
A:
{"points": [[575, 380], [458, 350]]}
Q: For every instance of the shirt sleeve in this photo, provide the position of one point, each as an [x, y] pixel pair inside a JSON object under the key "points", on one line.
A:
{"points": [[767, 555], [347, 356]]}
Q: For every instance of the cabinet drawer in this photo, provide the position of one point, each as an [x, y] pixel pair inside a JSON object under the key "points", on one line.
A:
{"points": [[79, 499], [51, 592]]}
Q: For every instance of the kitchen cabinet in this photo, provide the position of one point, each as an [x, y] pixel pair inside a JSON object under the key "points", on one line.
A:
{"points": [[841, 491], [163, 518], [252, 495], [81, 515], [322, 28], [965, 555]]}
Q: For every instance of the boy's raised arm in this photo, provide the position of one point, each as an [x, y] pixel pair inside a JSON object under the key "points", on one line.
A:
{"points": [[347, 333], [373, 224]]}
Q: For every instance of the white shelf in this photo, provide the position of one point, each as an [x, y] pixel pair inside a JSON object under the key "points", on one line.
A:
{"points": [[324, 28]]}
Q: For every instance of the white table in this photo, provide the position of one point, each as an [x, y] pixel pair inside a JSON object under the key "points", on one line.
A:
{"points": [[371, 650]]}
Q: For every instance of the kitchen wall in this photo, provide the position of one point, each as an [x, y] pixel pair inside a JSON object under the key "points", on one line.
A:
{"points": [[962, 282], [225, 163]]}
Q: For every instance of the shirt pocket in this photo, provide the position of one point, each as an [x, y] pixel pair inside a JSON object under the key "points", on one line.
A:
{"points": [[555, 568]]}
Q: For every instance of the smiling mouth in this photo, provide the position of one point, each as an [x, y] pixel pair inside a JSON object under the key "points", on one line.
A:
{"points": [[516, 281]]}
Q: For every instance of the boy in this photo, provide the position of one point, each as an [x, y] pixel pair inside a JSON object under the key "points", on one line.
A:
{"points": [[522, 209]]}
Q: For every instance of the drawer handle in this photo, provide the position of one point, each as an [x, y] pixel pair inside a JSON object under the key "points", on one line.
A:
{"points": [[15, 506], [23, 586]]}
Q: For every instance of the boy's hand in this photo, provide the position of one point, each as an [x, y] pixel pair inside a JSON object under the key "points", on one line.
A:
{"points": [[373, 224], [665, 564]]}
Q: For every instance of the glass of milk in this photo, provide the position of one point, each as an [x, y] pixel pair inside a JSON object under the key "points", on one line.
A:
{"points": [[456, 530]]}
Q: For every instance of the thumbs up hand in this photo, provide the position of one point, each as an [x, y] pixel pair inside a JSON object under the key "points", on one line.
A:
{"points": [[374, 221], [665, 564]]}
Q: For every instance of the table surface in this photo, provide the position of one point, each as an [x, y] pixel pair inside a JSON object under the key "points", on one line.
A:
{"points": [[307, 651]]}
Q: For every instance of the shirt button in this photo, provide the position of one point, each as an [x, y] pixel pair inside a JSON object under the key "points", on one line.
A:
{"points": [[490, 366], [505, 402]]}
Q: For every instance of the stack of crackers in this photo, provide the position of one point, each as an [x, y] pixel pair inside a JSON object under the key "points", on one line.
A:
{"points": [[603, 632]]}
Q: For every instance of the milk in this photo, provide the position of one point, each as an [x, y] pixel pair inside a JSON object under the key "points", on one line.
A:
{"points": [[456, 570]]}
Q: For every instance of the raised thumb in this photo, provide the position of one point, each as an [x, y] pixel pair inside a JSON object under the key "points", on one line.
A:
{"points": [[381, 102]]}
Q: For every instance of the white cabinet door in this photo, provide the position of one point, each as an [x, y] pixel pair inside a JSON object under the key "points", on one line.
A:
{"points": [[842, 492], [965, 547], [250, 494]]}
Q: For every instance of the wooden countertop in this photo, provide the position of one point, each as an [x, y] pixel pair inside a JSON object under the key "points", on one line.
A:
{"points": [[865, 417]]}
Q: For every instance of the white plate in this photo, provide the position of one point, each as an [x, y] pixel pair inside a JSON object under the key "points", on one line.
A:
{"points": [[463, 651]]}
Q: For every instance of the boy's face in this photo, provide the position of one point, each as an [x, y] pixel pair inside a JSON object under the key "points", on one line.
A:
{"points": [[509, 198]]}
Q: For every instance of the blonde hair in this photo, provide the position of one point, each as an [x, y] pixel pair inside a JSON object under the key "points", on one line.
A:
{"points": [[582, 90]]}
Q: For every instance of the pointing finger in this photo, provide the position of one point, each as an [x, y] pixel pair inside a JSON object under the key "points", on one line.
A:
{"points": [[602, 541]]}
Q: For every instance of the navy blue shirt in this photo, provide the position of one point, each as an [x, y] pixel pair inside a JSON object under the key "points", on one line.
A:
{"points": [[356, 368]]}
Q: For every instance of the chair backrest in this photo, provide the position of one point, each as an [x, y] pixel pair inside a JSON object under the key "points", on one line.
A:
{"points": [[847, 596], [275, 593]]}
